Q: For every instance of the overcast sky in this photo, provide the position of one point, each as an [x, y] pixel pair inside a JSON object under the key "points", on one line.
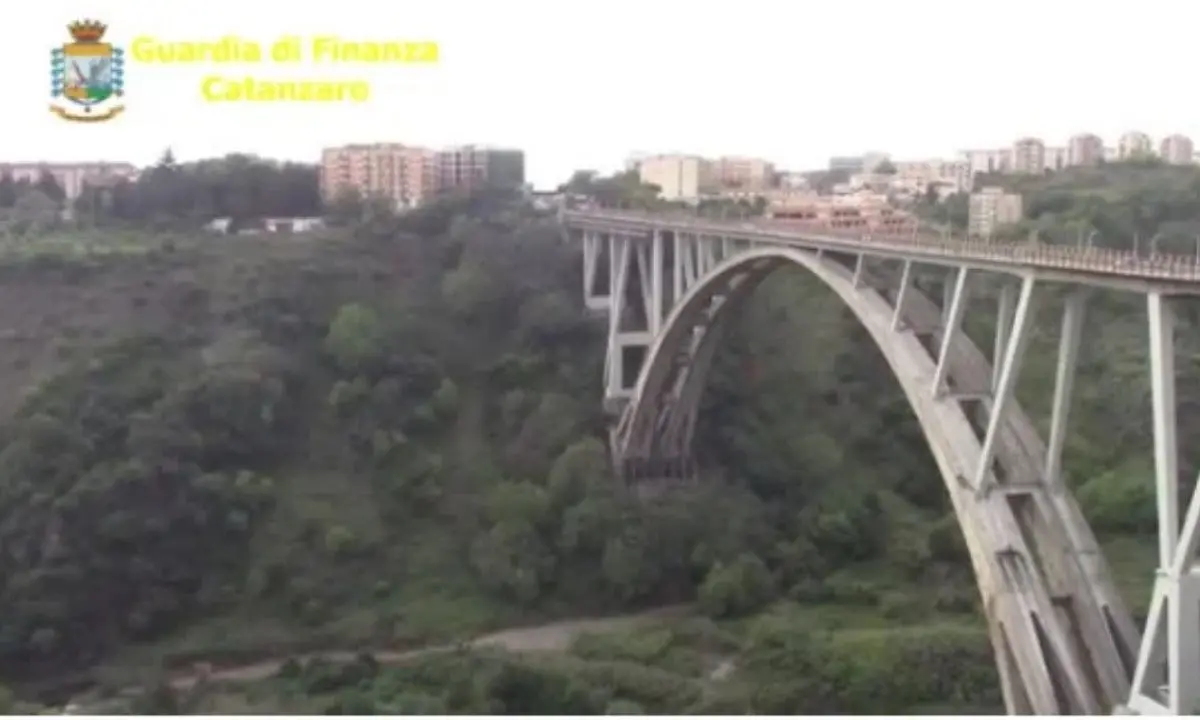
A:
{"points": [[584, 84]]}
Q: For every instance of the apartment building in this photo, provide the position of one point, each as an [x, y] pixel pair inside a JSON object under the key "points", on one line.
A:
{"points": [[988, 161], [1133, 145], [680, 177], [403, 174], [71, 177], [1028, 156], [1177, 150], [470, 167], [1056, 158], [1085, 149], [745, 173], [991, 208]]}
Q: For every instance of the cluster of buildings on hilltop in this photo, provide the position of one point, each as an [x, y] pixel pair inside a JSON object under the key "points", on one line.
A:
{"points": [[71, 177], [691, 178], [409, 175], [1026, 156], [874, 180]]}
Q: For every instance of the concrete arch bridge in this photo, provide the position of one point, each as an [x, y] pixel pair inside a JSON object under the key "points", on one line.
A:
{"points": [[1064, 640]]}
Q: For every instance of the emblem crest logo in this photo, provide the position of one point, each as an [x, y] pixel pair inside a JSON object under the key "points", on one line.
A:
{"points": [[87, 76]]}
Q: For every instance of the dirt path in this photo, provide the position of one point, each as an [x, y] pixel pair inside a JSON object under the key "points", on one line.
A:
{"points": [[550, 637]]}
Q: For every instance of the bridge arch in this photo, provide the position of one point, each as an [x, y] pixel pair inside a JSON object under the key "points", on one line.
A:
{"points": [[1063, 639]]}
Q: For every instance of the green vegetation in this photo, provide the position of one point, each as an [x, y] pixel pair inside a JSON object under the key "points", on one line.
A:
{"points": [[1104, 206], [389, 437]]}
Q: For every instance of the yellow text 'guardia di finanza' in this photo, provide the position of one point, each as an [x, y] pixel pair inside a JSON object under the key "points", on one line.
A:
{"points": [[286, 50]]}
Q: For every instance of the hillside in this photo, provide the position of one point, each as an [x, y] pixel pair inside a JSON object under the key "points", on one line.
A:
{"points": [[390, 436], [1110, 204]]}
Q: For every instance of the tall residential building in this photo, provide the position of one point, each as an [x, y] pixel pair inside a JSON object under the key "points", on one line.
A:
{"points": [[71, 177], [469, 167], [977, 162], [679, 177], [1028, 156], [1177, 150], [1085, 149], [1133, 145], [1057, 158], [745, 173], [990, 208], [986, 161], [403, 174]]}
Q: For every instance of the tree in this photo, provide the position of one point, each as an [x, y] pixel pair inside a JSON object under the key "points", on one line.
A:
{"points": [[33, 213], [885, 167], [241, 187], [741, 587], [8, 190], [355, 338], [623, 189], [48, 185]]}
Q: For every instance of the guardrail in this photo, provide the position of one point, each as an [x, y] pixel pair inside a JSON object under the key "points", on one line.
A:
{"points": [[1119, 263]]}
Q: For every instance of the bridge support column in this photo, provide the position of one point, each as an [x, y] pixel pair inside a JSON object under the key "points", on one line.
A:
{"points": [[956, 305], [593, 251], [1005, 305], [902, 296], [656, 282], [1010, 369], [631, 308], [1167, 678], [1064, 382]]}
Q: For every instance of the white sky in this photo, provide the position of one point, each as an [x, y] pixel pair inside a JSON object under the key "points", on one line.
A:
{"points": [[584, 84]]}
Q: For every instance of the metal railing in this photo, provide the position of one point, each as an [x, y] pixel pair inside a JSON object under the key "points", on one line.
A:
{"points": [[1095, 260]]}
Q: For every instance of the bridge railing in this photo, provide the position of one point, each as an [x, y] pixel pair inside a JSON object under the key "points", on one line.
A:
{"points": [[1091, 259]]}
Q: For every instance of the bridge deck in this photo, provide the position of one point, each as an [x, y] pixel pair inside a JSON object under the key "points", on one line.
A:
{"points": [[1174, 273]]}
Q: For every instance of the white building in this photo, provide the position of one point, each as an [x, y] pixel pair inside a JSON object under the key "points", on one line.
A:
{"points": [[976, 162], [1133, 145], [991, 208], [679, 177], [1177, 150], [1085, 149], [1056, 158], [1028, 156]]}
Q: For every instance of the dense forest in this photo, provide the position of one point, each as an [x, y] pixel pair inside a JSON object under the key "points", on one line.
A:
{"points": [[389, 436]]}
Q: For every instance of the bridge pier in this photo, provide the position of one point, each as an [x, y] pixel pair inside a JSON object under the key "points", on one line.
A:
{"points": [[1063, 639], [1167, 678]]}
